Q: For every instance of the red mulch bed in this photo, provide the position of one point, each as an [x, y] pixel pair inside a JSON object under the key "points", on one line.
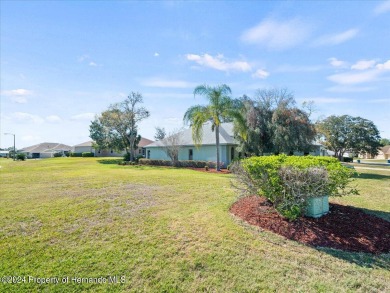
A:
{"points": [[344, 227], [212, 170]]}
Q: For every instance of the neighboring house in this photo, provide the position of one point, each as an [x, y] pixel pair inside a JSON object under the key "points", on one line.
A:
{"points": [[45, 150], [207, 150], [85, 147], [88, 147], [4, 154], [383, 154]]}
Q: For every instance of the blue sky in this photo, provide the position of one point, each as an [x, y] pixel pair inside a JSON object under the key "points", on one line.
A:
{"points": [[63, 62]]}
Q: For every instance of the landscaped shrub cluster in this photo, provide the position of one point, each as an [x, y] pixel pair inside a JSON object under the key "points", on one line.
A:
{"points": [[87, 154], [21, 156], [186, 164], [76, 154], [57, 155], [288, 181]]}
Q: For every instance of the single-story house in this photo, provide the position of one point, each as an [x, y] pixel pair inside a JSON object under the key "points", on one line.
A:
{"points": [[383, 154], [45, 150], [4, 154], [85, 147], [207, 150], [88, 147]]}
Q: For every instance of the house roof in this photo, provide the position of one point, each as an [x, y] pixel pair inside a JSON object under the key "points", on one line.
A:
{"points": [[143, 142], [225, 136], [386, 149], [84, 144], [46, 147]]}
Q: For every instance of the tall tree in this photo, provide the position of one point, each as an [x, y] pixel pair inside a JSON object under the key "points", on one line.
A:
{"points": [[117, 126], [274, 124], [219, 109], [346, 133]]}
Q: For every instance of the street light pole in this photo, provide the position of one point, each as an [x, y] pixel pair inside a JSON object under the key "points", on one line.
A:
{"points": [[14, 144]]}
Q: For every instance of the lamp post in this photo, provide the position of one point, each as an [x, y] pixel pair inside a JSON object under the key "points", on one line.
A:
{"points": [[14, 144]]}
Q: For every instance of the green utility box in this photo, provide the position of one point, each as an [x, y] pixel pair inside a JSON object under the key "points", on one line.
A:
{"points": [[317, 206]]}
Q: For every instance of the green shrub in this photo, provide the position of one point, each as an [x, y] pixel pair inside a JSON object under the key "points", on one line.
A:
{"points": [[126, 157], [87, 154], [76, 154], [287, 181], [347, 159], [185, 164], [57, 155], [21, 156]]}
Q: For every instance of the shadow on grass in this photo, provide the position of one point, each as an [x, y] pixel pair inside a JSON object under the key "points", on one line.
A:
{"points": [[372, 176], [366, 260], [109, 161]]}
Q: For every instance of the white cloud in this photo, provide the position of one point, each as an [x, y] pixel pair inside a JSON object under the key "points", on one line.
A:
{"points": [[277, 35], [83, 116], [337, 63], [336, 39], [219, 63], [382, 8], [363, 64], [26, 117], [83, 58], [384, 66], [92, 64], [53, 118], [260, 73], [156, 54], [354, 78], [17, 92], [167, 83]]}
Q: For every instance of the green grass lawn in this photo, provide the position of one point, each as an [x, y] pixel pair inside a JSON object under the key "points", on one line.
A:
{"points": [[162, 230]]}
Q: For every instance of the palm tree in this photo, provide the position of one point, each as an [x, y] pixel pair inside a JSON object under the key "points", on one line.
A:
{"points": [[219, 109]]}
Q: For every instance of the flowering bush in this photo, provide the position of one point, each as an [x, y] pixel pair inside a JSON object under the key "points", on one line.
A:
{"points": [[288, 181]]}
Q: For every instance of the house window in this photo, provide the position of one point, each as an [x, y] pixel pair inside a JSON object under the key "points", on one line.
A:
{"points": [[232, 154], [148, 154], [143, 152], [112, 151], [190, 154]]}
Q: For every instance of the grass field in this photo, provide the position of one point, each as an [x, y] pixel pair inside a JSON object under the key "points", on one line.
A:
{"points": [[161, 230]]}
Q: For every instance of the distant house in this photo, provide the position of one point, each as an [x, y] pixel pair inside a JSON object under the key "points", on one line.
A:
{"points": [[207, 150], [45, 150], [4, 154], [85, 147], [88, 147], [383, 154]]}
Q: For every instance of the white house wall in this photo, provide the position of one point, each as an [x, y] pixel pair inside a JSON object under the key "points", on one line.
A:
{"points": [[83, 149], [203, 153]]}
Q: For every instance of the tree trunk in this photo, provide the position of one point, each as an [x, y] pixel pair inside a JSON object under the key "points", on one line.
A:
{"points": [[217, 144]]}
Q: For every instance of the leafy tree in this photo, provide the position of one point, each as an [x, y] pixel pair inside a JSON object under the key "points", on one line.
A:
{"points": [[160, 133], [274, 124], [347, 133], [117, 126], [384, 141], [220, 108]]}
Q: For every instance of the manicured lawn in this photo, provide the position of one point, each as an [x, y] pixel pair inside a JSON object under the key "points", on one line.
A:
{"points": [[164, 230]]}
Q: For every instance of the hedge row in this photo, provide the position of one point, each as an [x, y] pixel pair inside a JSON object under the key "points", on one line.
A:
{"points": [[186, 164], [85, 154]]}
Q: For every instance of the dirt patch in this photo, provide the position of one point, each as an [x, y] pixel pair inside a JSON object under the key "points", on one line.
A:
{"points": [[344, 227], [211, 170]]}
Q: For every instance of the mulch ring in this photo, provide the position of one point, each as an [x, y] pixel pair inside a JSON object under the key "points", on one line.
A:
{"points": [[344, 227]]}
